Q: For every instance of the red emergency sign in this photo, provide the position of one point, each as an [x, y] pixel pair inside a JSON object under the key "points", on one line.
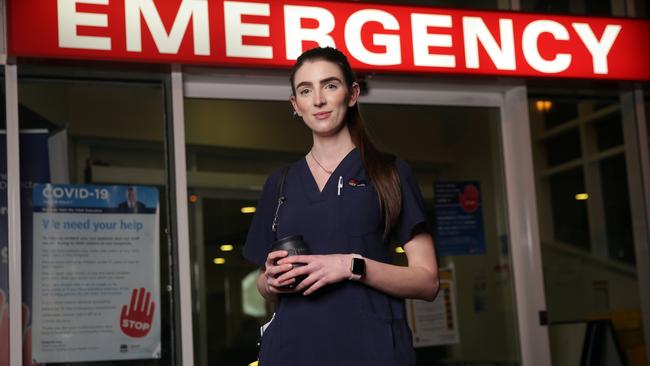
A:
{"points": [[377, 38]]}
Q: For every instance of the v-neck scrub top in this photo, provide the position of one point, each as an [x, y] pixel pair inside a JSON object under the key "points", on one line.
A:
{"points": [[346, 323]]}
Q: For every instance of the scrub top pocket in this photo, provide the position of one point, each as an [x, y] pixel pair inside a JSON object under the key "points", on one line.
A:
{"points": [[359, 210]]}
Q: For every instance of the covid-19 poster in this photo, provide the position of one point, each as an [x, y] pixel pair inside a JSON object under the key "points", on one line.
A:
{"points": [[96, 292]]}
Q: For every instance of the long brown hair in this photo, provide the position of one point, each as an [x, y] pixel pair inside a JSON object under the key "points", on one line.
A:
{"points": [[380, 166]]}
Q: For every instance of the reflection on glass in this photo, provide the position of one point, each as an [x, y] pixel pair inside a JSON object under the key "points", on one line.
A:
{"points": [[553, 112], [617, 209], [95, 284], [233, 145], [609, 131], [232, 331], [563, 148], [586, 224], [569, 212]]}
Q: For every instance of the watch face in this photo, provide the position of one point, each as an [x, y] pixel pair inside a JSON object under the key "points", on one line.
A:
{"points": [[358, 266]]}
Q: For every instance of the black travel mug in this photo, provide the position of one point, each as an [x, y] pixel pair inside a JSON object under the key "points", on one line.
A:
{"points": [[295, 245]]}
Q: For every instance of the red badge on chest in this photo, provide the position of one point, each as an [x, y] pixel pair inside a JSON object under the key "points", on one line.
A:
{"points": [[356, 183]]}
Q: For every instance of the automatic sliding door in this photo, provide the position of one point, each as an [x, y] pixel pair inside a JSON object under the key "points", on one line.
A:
{"points": [[456, 157], [97, 281]]}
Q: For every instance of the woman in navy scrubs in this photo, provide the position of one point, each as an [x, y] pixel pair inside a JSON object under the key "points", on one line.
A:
{"points": [[347, 200]]}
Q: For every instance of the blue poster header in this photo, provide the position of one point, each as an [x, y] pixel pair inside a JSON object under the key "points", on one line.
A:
{"points": [[95, 198]]}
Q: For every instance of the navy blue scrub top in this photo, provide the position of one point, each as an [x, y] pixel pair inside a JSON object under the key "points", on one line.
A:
{"points": [[346, 323]]}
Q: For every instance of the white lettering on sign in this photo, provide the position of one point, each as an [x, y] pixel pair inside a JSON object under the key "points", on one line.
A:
{"points": [[69, 19], [353, 26], [422, 40], [50, 192], [132, 324], [475, 31], [195, 10], [598, 49], [529, 41], [434, 40], [295, 34], [236, 29]]}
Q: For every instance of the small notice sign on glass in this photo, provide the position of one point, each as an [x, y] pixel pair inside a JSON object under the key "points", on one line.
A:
{"points": [[459, 218]]}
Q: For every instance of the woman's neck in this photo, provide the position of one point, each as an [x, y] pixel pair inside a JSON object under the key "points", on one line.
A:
{"points": [[331, 149]]}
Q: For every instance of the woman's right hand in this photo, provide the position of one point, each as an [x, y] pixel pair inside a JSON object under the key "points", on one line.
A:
{"points": [[272, 271]]}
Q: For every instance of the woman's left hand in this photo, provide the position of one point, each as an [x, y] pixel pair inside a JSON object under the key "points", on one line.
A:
{"points": [[320, 270]]}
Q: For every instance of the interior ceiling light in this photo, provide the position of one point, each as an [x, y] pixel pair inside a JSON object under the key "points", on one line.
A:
{"points": [[582, 196], [543, 105], [399, 250], [219, 261], [248, 209], [226, 247]]}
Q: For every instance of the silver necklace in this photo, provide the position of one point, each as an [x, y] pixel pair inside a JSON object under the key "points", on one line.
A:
{"points": [[319, 164]]}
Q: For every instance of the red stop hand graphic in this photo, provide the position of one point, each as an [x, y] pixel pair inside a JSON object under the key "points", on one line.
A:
{"points": [[136, 319]]}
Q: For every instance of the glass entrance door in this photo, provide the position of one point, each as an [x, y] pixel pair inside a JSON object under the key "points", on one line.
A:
{"points": [[589, 195], [98, 282], [456, 155]]}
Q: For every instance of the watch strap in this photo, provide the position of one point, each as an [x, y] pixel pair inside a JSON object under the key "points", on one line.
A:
{"points": [[353, 276]]}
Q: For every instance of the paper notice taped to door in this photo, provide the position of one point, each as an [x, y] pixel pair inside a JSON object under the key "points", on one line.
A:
{"points": [[435, 323]]}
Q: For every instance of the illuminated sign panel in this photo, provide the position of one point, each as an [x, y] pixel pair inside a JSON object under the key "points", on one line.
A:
{"points": [[378, 38]]}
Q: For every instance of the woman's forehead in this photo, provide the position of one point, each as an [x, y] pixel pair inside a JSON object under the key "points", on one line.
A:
{"points": [[315, 71]]}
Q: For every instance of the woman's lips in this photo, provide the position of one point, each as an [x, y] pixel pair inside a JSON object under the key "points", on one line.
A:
{"points": [[322, 115]]}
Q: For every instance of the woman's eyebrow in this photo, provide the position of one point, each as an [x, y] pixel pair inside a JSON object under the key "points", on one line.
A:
{"points": [[303, 83], [323, 81], [332, 78]]}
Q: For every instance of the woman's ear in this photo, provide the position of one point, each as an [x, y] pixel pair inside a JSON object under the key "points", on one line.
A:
{"points": [[354, 94], [292, 99]]}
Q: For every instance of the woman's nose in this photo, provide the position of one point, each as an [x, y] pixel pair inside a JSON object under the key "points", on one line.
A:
{"points": [[319, 99]]}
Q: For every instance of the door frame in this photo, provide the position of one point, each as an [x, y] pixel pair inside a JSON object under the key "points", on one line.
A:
{"points": [[510, 96]]}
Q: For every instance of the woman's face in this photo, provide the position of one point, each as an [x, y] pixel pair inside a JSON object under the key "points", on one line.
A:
{"points": [[322, 98]]}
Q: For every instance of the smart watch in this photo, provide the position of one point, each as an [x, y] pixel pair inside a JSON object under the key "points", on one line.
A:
{"points": [[357, 267]]}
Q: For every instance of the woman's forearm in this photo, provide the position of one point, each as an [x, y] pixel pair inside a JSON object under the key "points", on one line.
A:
{"points": [[404, 282], [419, 280]]}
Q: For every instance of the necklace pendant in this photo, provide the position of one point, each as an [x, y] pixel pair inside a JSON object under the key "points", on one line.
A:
{"points": [[319, 164]]}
